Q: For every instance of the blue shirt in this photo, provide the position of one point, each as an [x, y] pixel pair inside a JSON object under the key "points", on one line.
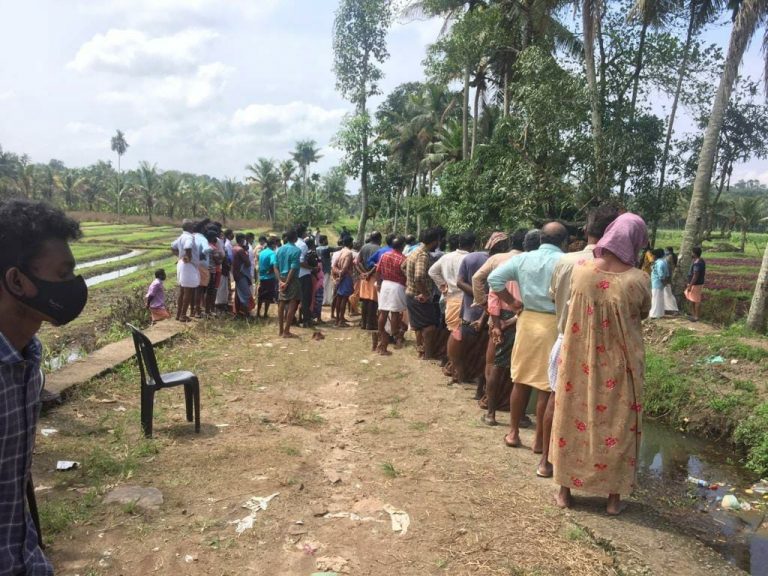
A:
{"points": [[288, 258], [302, 246], [659, 271], [533, 273], [267, 259], [373, 261], [20, 385]]}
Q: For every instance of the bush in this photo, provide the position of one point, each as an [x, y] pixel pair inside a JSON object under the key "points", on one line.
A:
{"points": [[752, 434]]}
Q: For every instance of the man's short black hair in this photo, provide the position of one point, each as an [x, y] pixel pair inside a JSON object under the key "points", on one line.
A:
{"points": [[271, 241], [431, 235], [697, 251], [211, 235], [375, 237], [670, 249], [159, 273], [517, 238], [239, 238], [347, 241], [301, 229], [292, 235], [398, 243], [454, 241], [323, 238], [250, 236], [202, 225], [310, 241], [410, 239], [25, 226], [658, 253], [263, 239], [390, 239], [599, 218], [467, 240]]}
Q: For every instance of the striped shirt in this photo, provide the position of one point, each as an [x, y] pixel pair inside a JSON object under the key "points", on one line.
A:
{"points": [[20, 385]]}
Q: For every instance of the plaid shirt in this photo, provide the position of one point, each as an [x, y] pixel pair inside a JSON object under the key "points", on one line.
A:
{"points": [[416, 268], [20, 384], [390, 267]]}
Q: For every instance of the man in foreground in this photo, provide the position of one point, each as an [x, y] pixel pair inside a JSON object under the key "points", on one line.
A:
{"points": [[38, 285]]}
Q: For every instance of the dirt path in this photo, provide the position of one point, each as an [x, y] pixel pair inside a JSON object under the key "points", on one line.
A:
{"points": [[341, 436]]}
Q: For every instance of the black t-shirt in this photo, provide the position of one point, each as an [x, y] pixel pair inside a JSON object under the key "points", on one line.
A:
{"points": [[700, 267]]}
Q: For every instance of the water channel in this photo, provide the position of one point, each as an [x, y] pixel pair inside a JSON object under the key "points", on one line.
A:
{"points": [[668, 458], [94, 280], [126, 256]]}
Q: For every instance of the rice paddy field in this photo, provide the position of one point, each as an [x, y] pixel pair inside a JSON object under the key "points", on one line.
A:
{"points": [[731, 275], [118, 262]]}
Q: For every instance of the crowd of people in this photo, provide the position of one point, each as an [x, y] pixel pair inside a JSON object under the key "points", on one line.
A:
{"points": [[544, 310]]}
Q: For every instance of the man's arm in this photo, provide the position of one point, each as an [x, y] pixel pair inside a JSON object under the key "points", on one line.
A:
{"points": [[479, 283], [436, 273], [421, 277]]}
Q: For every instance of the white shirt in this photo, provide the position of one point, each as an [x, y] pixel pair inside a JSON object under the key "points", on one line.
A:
{"points": [[445, 271], [187, 242], [304, 249]]}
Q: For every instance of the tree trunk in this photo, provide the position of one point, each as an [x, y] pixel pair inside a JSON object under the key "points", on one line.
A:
{"points": [[743, 29], [588, 25], [710, 217], [474, 121], [506, 92], [465, 118], [363, 176], [743, 237], [632, 107], [681, 74], [758, 310]]}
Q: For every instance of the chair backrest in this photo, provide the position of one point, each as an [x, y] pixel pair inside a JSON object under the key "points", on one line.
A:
{"points": [[145, 355]]}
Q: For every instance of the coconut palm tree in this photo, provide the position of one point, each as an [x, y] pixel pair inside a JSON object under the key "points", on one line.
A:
{"points": [[591, 14], [119, 145], [197, 192], [171, 192], [748, 211], [304, 154], [750, 15], [71, 183], [265, 175], [228, 197], [147, 185]]}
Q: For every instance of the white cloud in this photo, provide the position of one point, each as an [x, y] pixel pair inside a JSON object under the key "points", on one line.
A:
{"points": [[169, 11], [284, 115], [134, 53], [6, 95], [85, 128]]}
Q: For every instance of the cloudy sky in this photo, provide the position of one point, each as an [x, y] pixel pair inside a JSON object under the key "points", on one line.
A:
{"points": [[205, 86]]}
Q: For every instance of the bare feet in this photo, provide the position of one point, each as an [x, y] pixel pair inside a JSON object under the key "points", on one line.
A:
{"points": [[544, 470], [615, 505], [488, 420], [563, 498], [289, 335], [385, 353], [512, 440]]}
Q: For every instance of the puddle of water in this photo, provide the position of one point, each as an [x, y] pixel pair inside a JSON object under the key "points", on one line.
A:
{"points": [[64, 358], [126, 256], [92, 281], [668, 458]]}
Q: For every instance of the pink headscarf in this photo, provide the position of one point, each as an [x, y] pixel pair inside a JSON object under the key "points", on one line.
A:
{"points": [[624, 237]]}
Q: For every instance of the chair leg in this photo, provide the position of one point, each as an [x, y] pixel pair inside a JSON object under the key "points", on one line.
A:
{"points": [[188, 400], [147, 408], [196, 392]]}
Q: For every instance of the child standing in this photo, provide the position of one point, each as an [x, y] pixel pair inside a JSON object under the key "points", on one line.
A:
{"points": [[155, 298]]}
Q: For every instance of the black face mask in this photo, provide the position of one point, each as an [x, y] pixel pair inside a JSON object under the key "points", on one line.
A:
{"points": [[60, 301]]}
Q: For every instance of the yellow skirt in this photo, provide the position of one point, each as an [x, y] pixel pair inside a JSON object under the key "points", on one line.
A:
{"points": [[536, 334], [368, 289], [453, 312]]}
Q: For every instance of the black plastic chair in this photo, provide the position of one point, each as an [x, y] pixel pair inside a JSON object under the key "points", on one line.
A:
{"points": [[152, 381]]}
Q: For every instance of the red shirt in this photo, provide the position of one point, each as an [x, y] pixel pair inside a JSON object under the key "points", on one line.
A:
{"points": [[390, 267]]}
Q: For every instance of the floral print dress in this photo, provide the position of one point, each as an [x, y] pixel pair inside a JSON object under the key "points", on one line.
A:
{"points": [[598, 405]]}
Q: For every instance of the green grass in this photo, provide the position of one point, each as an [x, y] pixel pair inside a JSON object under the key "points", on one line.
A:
{"points": [[389, 470], [57, 515]]}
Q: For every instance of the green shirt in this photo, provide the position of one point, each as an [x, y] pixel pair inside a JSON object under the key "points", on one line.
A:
{"points": [[288, 257], [533, 273]]}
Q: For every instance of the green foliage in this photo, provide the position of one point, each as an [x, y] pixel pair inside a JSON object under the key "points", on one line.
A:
{"points": [[752, 434]]}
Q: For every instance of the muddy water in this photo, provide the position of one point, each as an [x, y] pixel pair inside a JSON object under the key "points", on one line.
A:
{"points": [[668, 458], [126, 256]]}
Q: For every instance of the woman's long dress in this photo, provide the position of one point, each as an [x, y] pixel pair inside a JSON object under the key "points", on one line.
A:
{"points": [[598, 405]]}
